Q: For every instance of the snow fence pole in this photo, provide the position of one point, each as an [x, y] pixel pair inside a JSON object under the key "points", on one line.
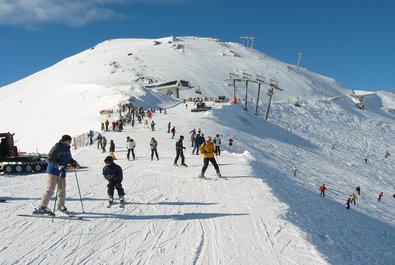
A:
{"points": [[79, 191]]}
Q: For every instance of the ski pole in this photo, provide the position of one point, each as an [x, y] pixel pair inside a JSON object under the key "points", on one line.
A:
{"points": [[216, 158], [79, 191], [56, 196]]}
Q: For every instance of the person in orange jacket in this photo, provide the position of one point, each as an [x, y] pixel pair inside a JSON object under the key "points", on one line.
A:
{"points": [[207, 149], [322, 189]]}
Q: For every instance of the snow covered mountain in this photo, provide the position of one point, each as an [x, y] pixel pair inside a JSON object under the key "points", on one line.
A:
{"points": [[261, 214]]}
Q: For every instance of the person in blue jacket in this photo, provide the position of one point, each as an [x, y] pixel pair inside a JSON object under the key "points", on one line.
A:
{"points": [[58, 159]]}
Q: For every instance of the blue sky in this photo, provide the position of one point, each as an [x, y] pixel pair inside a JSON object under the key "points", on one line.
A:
{"points": [[352, 41]]}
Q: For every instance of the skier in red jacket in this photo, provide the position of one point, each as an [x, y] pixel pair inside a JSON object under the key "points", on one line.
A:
{"points": [[322, 189]]}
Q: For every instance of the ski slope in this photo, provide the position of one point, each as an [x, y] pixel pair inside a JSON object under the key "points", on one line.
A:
{"points": [[259, 214]]}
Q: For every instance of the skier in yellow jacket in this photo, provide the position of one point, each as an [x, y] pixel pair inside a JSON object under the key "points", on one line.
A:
{"points": [[207, 149]]}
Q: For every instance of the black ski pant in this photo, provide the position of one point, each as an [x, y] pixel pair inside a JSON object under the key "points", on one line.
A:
{"points": [[217, 150], [179, 153], [154, 151], [128, 155], [114, 184], [213, 162]]}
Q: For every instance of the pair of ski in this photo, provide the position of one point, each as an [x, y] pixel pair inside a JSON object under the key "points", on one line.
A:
{"points": [[181, 165], [121, 204], [64, 215], [212, 179]]}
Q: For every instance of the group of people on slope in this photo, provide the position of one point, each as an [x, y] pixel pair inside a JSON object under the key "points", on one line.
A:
{"points": [[352, 198], [60, 157]]}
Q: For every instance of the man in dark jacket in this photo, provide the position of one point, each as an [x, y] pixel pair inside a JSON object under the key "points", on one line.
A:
{"points": [[58, 159], [180, 151], [198, 142], [113, 173]]}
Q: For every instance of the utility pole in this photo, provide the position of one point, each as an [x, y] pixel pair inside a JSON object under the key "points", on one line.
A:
{"points": [[300, 54]]}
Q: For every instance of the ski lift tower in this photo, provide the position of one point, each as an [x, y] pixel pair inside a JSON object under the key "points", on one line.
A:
{"points": [[260, 80], [232, 82], [272, 85], [246, 78]]}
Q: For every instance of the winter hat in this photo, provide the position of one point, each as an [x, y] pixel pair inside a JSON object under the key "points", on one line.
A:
{"points": [[66, 138], [182, 136], [208, 137], [109, 159]]}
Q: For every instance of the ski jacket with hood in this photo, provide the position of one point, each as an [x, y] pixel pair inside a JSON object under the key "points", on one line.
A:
{"points": [[207, 149], [217, 141], [113, 172], [131, 144], [59, 155], [153, 144]]}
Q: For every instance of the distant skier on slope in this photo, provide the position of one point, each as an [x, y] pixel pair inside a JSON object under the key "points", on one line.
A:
{"points": [[154, 148], [107, 123], [354, 198], [113, 173], [173, 131], [99, 141], [322, 189], [381, 194], [112, 149], [295, 171], [199, 139], [348, 202], [130, 145], [358, 189], [104, 144], [180, 151], [217, 144], [207, 149], [193, 136]]}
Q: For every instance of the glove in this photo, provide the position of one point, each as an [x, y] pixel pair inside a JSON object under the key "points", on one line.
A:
{"points": [[184, 148], [60, 168]]}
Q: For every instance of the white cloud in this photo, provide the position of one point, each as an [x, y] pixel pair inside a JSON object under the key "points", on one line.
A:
{"points": [[32, 13]]}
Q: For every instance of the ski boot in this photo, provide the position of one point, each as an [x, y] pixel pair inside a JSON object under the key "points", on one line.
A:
{"points": [[110, 201], [43, 211], [62, 208], [121, 202], [219, 174]]}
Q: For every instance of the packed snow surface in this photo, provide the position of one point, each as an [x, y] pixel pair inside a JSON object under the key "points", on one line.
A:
{"points": [[259, 214]]}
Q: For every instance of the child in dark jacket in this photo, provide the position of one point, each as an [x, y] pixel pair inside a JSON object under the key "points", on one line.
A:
{"points": [[113, 173]]}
